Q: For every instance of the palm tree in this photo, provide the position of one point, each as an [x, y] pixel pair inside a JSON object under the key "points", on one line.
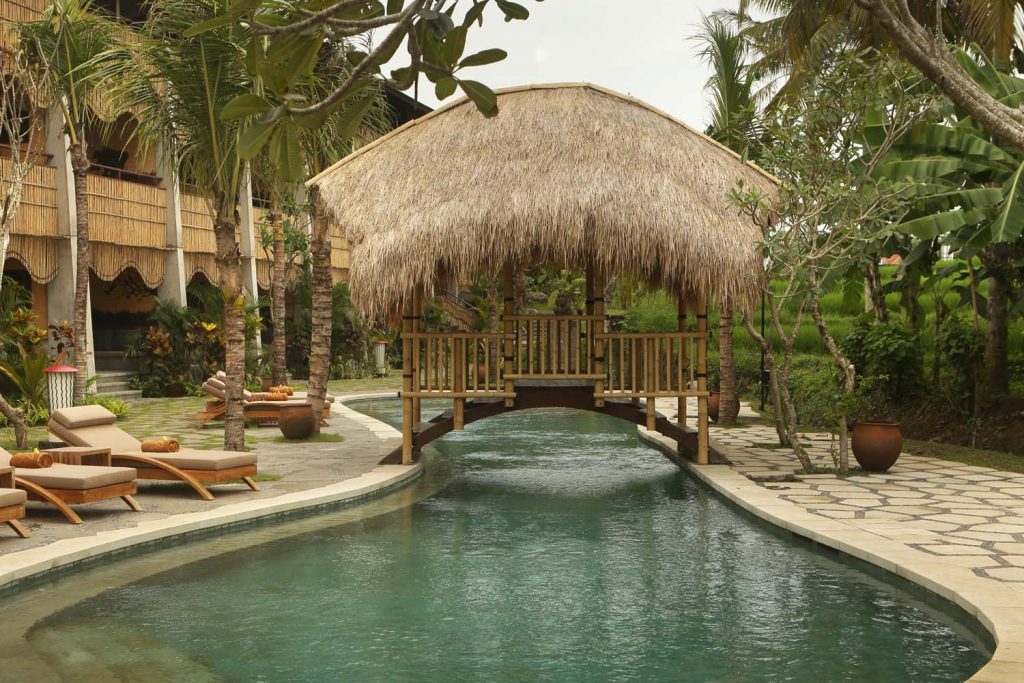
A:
{"points": [[68, 46], [179, 84], [733, 123]]}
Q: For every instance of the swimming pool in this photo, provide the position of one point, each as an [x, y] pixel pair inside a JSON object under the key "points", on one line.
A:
{"points": [[547, 545]]}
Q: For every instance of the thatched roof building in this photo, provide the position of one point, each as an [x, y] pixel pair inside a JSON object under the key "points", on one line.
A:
{"points": [[564, 174]]}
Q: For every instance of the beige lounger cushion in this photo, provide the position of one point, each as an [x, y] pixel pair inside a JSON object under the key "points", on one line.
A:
{"points": [[216, 391], [210, 461], [77, 477], [100, 436], [12, 497], [84, 416]]}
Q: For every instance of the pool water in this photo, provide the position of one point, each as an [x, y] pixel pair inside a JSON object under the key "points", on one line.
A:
{"points": [[560, 549]]}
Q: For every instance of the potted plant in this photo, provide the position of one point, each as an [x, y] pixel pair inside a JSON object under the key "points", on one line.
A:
{"points": [[877, 438]]}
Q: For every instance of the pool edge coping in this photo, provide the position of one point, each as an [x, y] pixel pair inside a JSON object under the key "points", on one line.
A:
{"points": [[34, 563], [998, 609]]}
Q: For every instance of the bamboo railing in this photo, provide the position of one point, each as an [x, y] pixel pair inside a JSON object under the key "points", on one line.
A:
{"points": [[127, 213], [456, 364], [554, 347], [650, 364], [197, 223]]}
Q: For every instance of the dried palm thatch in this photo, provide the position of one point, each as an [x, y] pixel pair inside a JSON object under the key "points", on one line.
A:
{"points": [[565, 174]]}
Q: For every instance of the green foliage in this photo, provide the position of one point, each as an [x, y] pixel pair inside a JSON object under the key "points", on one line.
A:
{"points": [[27, 373], [886, 354], [115, 405], [655, 312], [961, 346], [350, 338]]}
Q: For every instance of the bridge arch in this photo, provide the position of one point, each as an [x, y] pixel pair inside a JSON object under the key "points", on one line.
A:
{"points": [[572, 175]]}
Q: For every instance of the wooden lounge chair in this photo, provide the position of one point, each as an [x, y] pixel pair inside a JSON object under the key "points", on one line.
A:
{"points": [[94, 426], [261, 412], [65, 485], [12, 502]]}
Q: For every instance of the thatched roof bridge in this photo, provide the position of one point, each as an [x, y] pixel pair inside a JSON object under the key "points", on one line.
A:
{"points": [[568, 174]]}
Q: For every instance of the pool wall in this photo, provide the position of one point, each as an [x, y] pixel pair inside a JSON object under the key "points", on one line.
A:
{"points": [[997, 607]]}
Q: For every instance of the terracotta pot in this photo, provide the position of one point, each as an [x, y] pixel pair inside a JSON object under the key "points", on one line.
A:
{"points": [[714, 402], [877, 444], [267, 383], [296, 421], [175, 390]]}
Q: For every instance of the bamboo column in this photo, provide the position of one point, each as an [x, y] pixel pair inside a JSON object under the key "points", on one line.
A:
{"points": [[407, 387], [508, 346], [417, 326], [683, 359], [459, 380], [599, 312], [702, 379]]}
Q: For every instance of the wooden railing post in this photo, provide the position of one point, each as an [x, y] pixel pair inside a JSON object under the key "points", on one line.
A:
{"points": [[650, 385], [407, 385], [509, 324], [684, 350], [601, 324], [702, 379], [417, 326], [459, 363]]}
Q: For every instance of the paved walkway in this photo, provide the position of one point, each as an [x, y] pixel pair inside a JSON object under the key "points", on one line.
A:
{"points": [[292, 466]]}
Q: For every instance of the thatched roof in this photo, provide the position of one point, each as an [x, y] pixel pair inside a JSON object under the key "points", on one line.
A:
{"points": [[565, 173]]}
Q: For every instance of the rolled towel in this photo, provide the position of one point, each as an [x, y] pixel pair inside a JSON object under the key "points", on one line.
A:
{"points": [[269, 396], [33, 460], [162, 445], [283, 389]]}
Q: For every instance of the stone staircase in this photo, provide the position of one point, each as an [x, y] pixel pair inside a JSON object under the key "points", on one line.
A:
{"points": [[116, 384]]}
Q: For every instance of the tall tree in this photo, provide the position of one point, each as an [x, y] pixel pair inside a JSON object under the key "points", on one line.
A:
{"points": [[731, 87], [68, 46], [179, 84]]}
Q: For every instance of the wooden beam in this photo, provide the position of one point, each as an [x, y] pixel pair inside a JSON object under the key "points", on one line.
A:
{"points": [[416, 325], [508, 312], [683, 358], [407, 377], [601, 325], [702, 380]]}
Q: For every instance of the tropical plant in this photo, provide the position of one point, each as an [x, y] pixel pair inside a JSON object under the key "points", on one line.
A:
{"points": [[27, 373], [67, 47]]}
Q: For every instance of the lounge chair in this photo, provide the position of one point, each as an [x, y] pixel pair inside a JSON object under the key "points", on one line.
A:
{"points": [[67, 485], [94, 426], [12, 502], [262, 412]]}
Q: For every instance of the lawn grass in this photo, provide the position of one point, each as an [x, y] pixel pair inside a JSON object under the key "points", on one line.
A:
{"points": [[997, 460]]}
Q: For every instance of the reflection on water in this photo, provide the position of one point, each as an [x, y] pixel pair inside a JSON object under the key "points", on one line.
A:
{"points": [[562, 549]]}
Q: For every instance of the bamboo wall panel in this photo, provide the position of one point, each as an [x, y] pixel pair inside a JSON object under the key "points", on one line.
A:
{"points": [[37, 254], [110, 260], [125, 213], [264, 274], [37, 214], [17, 10], [197, 223], [340, 260], [200, 263]]}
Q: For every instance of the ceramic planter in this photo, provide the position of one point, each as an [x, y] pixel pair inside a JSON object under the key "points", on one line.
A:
{"points": [[877, 444], [296, 421], [714, 403]]}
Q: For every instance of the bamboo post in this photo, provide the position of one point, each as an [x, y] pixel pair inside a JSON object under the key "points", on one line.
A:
{"points": [[650, 363], [459, 381], [509, 350], [683, 359], [599, 312], [407, 374], [417, 326], [702, 379]]}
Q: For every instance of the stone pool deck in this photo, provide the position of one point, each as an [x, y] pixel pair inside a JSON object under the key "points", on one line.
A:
{"points": [[953, 528], [310, 475]]}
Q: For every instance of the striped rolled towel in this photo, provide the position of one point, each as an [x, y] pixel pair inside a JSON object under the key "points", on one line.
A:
{"points": [[283, 389], [270, 396], [33, 460], [162, 445]]}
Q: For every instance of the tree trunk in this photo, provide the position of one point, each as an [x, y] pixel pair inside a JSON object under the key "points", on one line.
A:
{"points": [[320, 338], [277, 296], [875, 290], [17, 419], [80, 170], [729, 402], [997, 375], [776, 394], [229, 265], [849, 379]]}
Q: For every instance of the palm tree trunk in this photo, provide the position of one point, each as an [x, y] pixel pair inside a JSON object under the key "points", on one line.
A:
{"points": [[80, 170], [320, 338], [229, 265], [729, 402], [277, 294], [17, 419], [1000, 288]]}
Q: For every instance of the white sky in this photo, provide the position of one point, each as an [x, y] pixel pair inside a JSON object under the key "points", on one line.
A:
{"points": [[638, 47]]}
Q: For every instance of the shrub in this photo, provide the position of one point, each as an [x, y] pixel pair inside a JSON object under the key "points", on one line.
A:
{"points": [[115, 405], [888, 355], [657, 312], [961, 347]]}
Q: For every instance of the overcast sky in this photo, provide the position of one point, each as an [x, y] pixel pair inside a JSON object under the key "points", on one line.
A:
{"points": [[639, 47]]}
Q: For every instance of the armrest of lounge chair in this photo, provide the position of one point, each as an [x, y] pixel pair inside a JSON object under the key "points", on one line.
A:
{"points": [[6, 477]]}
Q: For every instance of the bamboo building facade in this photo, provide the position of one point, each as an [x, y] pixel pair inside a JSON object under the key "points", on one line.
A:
{"points": [[151, 237]]}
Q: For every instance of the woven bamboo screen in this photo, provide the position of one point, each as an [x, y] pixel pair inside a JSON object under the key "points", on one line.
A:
{"points": [[198, 240], [37, 254], [339, 255], [122, 212], [200, 263], [17, 10], [37, 214], [110, 260]]}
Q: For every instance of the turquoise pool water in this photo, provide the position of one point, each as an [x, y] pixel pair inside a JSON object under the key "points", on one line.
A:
{"points": [[556, 548]]}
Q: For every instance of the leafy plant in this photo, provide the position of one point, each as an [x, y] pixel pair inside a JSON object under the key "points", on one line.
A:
{"points": [[27, 373], [115, 405]]}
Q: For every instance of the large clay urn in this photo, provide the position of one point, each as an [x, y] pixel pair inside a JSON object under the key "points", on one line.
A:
{"points": [[877, 444], [714, 403], [296, 420]]}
